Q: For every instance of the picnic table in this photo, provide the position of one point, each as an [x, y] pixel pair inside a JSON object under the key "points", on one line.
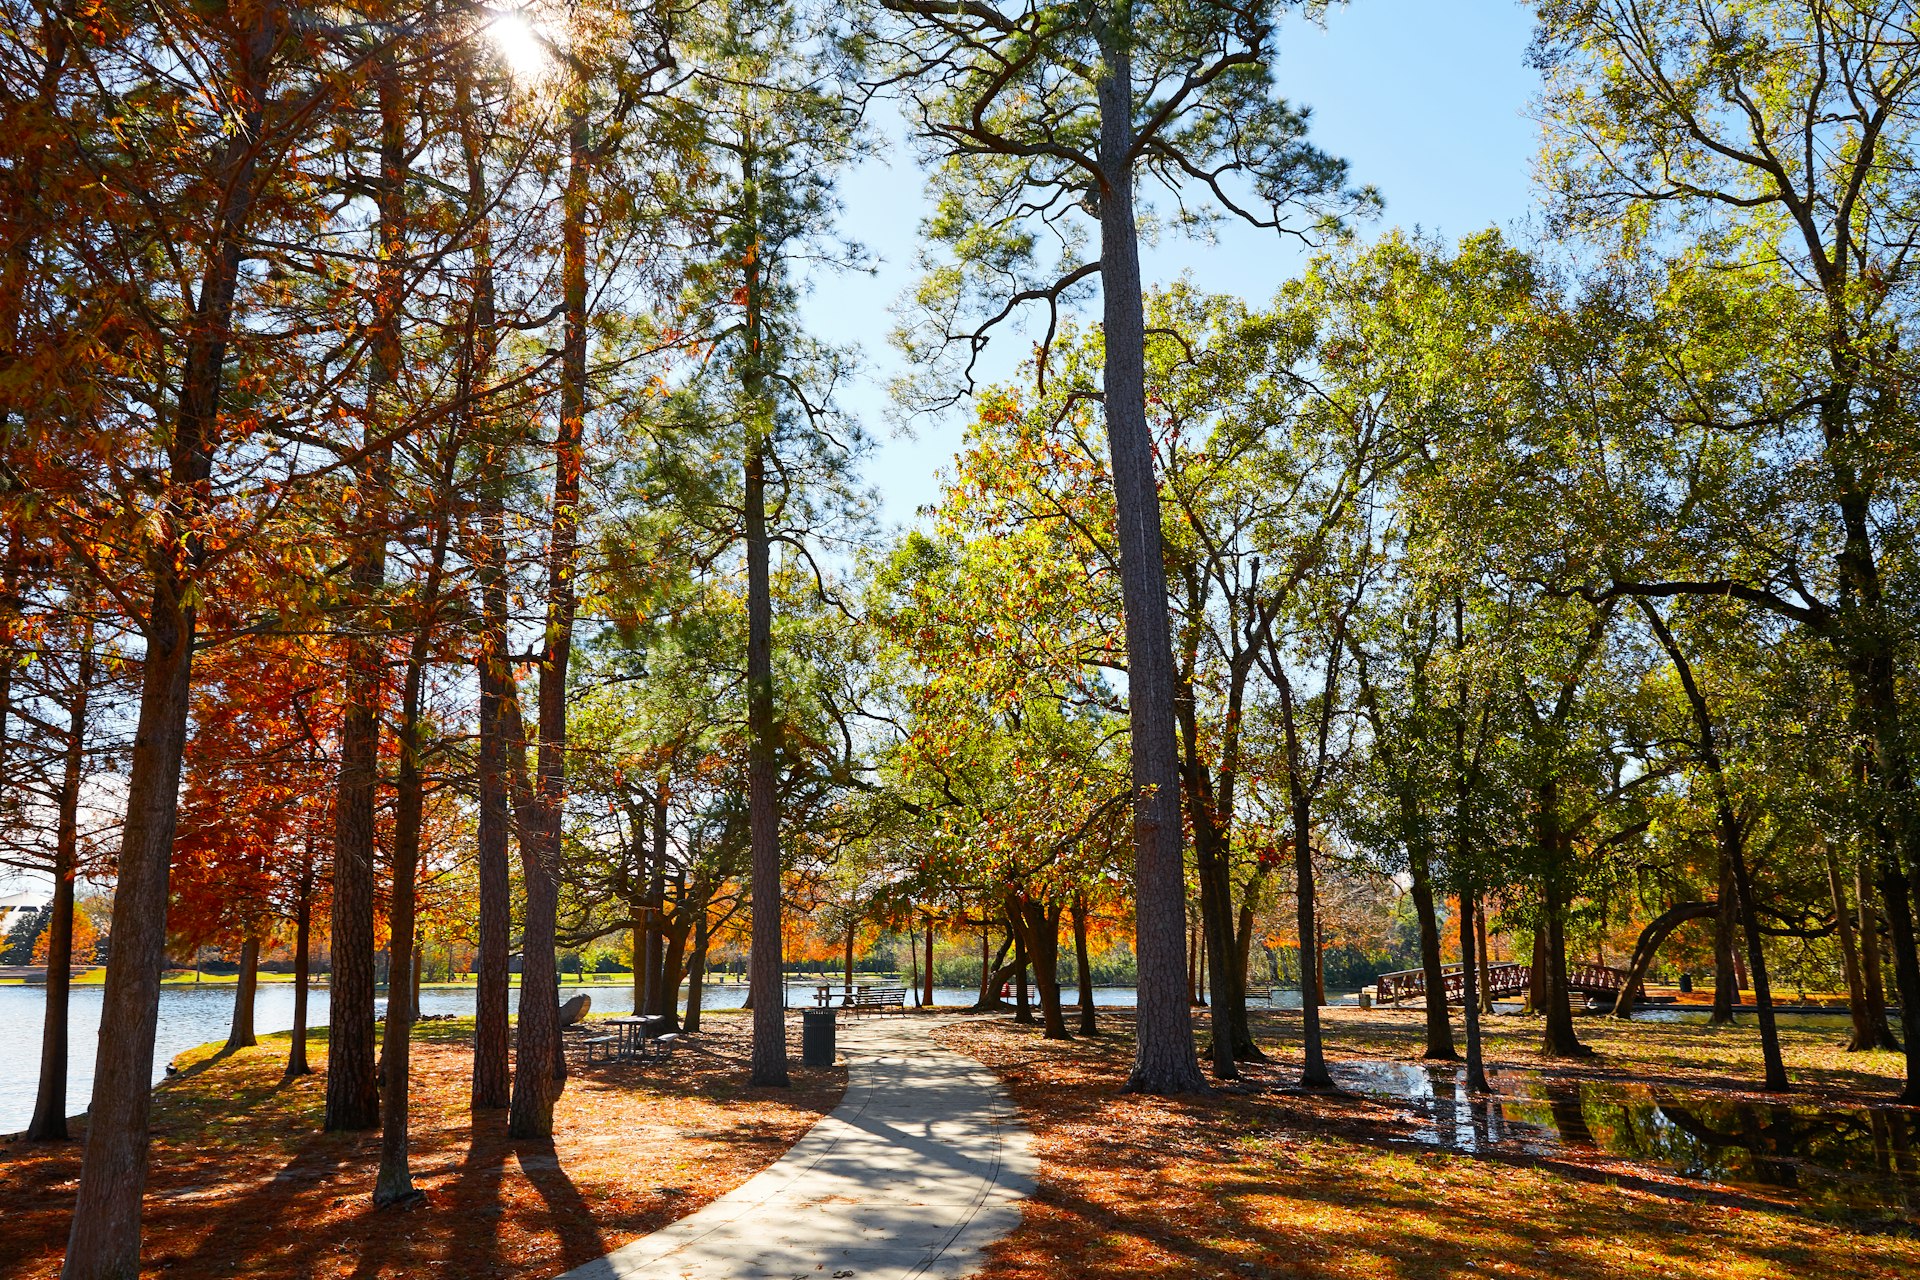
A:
{"points": [[635, 1036], [829, 994]]}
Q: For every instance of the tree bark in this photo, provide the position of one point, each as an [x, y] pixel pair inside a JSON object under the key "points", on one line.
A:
{"points": [[1870, 976], [1164, 1058], [769, 1056], [1849, 958], [492, 1073], [697, 965], [1558, 1039], [1486, 970], [1022, 1011], [49, 1123], [1726, 983], [1313, 1070], [1470, 1005], [927, 1002], [1763, 996], [1319, 962], [540, 1064], [393, 1183], [1089, 1024], [1231, 1037], [104, 1242], [1730, 830], [989, 972], [1040, 929], [660, 1001], [353, 1100], [240, 1032], [302, 967], [1648, 944], [1439, 1028]]}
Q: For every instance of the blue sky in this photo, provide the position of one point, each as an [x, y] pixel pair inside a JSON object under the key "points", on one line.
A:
{"points": [[1428, 100]]}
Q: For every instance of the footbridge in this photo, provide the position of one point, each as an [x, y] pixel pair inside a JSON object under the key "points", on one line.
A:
{"points": [[1504, 982]]}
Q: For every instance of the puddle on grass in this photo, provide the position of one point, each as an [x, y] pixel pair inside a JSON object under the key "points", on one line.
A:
{"points": [[1851, 1159]]}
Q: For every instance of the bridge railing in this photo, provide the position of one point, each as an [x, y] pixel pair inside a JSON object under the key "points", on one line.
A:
{"points": [[1503, 979]]}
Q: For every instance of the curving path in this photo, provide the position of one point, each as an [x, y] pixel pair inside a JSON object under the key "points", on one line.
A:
{"points": [[922, 1165]]}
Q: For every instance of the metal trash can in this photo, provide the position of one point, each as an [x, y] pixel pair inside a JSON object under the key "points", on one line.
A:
{"points": [[816, 1037]]}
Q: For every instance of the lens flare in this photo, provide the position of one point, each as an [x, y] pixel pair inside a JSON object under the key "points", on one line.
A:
{"points": [[525, 46]]}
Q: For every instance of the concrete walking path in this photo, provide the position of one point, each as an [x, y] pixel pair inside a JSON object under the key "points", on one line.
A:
{"points": [[922, 1165]]}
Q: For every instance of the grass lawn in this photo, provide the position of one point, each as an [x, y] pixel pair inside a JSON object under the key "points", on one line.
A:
{"points": [[1260, 1179], [244, 1182]]}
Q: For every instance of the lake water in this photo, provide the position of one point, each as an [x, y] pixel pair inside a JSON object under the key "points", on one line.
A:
{"points": [[191, 1016], [1852, 1159]]}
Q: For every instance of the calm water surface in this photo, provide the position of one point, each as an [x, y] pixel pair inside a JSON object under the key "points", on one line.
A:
{"points": [[1854, 1159]]}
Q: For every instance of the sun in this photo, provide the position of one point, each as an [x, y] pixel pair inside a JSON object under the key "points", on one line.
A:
{"points": [[525, 46]]}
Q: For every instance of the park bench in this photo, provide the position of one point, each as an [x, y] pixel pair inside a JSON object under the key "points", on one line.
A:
{"points": [[657, 1049], [880, 1000], [599, 1047], [1262, 994]]}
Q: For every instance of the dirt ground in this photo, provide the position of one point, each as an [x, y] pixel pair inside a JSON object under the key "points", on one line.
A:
{"points": [[244, 1183], [1260, 1179]]}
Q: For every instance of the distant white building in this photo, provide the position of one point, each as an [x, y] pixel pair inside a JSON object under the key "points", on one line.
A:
{"points": [[14, 902]]}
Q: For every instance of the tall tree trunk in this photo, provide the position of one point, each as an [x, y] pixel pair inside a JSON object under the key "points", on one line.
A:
{"points": [[986, 969], [540, 1065], [240, 1033], [1200, 978], [1320, 962], [927, 1002], [1022, 1011], [665, 998], [1164, 1058], [673, 964], [302, 966], [104, 1242], [353, 1100], [1896, 904], [1040, 929], [1730, 829], [1536, 1002], [1558, 1039], [49, 1123], [636, 906], [393, 1184], [1870, 976], [1243, 940], [990, 971], [1849, 957], [1439, 1028], [1313, 1071], [769, 1056], [1470, 1005], [1193, 967], [1865, 635], [492, 1072], [769, 1060], [1089, 1025], [1726, 985], [1210, 858], [697, 966], [1486, 969]]}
